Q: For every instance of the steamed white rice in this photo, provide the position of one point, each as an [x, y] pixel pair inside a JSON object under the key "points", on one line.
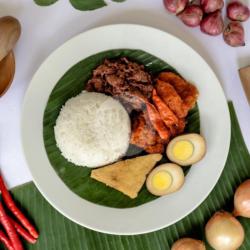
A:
{"points": [[92, 130]]}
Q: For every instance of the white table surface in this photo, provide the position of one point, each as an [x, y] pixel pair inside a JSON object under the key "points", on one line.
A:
{"points": [[46, 28]]}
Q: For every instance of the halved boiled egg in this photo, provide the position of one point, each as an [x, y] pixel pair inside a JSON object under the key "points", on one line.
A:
{"points": [[165, 179], [186, 149]]}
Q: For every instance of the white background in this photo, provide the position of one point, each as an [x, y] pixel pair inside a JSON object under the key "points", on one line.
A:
{"points": [[46, 28]]}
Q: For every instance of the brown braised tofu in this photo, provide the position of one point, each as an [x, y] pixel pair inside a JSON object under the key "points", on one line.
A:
{"points": [[127, 176]]}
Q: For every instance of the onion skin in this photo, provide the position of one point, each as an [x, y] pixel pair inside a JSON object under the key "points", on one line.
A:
{"points": [[188, 244], [242, 200], [224, 232], [234, 34], [237, 11], [175, 6], [212, 24], [191, 15], [210, 6]]}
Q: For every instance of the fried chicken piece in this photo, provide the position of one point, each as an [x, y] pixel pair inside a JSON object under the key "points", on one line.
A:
{"points": [[142, 133], [157, 148], [178, 128], [157, 122], [187, 91], [144, 136], [167, 115], [169, 95]]}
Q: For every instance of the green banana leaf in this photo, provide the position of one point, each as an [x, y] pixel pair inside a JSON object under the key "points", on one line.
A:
{"points": [[79, 4], [57, 232], [87, 4], [45, 2], [78, 178]]}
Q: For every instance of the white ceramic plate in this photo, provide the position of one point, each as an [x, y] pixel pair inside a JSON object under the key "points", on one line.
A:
{"points": [[215, 126]]}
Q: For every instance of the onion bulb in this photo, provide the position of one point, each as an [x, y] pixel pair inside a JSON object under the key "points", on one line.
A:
{"points": [[234, 34], [188, 244], [237, 11], [210, 6], [242, 200], [212, 24], [191, 15], [175, 6], [224, 232]]}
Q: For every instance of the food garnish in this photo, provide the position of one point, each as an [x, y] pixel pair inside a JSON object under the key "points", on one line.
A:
{"points": [[188, 244], [242, 200], [165, 179], [127, 176], [234, 34], [186, 149], [224, 232]]}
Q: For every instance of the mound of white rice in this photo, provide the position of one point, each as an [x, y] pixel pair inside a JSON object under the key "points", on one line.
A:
{"points": [[92, 130]]}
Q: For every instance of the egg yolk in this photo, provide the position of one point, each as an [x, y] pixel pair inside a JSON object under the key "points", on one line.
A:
{"points": [[183, 150], [162, 180]]}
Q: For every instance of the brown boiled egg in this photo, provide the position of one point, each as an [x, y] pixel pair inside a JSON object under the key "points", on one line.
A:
{"points": [[186, 149], [165, 179]]}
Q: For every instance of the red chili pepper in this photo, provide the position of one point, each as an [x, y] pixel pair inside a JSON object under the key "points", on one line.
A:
{"points": [[23, 232], [15, 210], [4, 239], [10, 230]]}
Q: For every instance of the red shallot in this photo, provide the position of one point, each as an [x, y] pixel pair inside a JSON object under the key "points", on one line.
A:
{"points": [[234, 34], [212, 24], [191, 15], [237, 11], [175, 6], [210, 6]]}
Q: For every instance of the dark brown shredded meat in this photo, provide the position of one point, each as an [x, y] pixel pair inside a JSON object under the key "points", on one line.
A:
{"points": [[157, 111], [123, 79]]}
